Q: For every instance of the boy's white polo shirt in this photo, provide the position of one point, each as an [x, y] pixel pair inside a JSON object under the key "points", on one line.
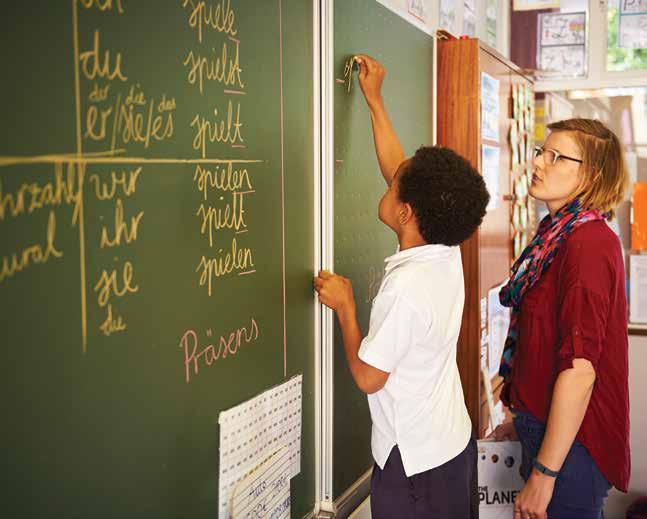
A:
{"points": [[414, 327]]}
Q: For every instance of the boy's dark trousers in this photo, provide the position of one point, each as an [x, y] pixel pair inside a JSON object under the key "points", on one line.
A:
{"points": [[445, 492]]}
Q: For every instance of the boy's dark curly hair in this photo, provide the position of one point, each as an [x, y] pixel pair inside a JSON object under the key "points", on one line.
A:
{"points": [[447, 195]]}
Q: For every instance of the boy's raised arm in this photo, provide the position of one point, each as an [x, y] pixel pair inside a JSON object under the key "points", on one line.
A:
{"points": [[387, 145]]}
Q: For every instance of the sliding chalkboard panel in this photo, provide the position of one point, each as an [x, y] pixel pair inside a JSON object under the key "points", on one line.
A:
{"points": [[156, 245], [361, 241]]}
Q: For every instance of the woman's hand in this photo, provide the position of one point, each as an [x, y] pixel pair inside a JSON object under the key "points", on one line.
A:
{"points": [[534, 498], [504, 432]]}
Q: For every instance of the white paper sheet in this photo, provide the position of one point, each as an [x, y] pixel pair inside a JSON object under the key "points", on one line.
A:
{"points": [[253, 430], [638, 288]]}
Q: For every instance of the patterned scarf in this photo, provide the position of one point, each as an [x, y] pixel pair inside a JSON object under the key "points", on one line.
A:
{"points": [[533, 262]]}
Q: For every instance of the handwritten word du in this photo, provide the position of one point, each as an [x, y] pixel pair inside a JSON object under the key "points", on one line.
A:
{"points": [[94, 65], [219, 130], [231, 216], [228, 344], [223, 68], [32, 255], [218, 16], [225, 263]]}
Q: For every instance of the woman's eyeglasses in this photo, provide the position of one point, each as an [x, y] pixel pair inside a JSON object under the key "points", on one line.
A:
{"points": [[552, 156]]}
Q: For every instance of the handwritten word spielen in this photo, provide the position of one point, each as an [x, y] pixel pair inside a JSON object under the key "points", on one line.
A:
{"points": [[220, 17], [222, 178]]}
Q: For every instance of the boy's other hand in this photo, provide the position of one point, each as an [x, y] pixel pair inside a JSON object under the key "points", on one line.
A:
{"points": [[334, 291], [504, 432], [371, 75]]}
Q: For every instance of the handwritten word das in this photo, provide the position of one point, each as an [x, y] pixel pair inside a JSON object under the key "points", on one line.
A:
{"points": [[32, 255], [228, 344], [219, 130], [220, 68], [94, 64], [226, 262], [218, 16]]}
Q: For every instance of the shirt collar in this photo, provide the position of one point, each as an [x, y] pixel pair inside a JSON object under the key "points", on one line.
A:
{"points": [[421, 253]]}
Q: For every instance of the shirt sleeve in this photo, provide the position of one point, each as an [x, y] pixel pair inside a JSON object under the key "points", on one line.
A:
{"points": [[586, 284], [394, 325]]}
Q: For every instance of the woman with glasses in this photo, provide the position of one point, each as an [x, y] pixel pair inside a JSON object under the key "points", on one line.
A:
{"points": [[565, 357]]}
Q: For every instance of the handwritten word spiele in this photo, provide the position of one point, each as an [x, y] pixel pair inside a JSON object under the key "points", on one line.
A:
{"points": [[109, 284], [112, 324], [223, 67], [103, 5], [219, 130], [230, 216], [222, 178], [228, 344], [32, 255], [121, 230], [125, 181], [218, 16], [32, 196], [95, 65], [226, 262]]}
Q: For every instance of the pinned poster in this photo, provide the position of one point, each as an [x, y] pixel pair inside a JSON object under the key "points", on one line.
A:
{"points": [[489, 107], [562, 43], [252, 431], [638, 288], [490, 171], [499, 479]]}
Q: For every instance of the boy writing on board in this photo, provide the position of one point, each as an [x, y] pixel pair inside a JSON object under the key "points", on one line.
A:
{"points": [[425, 457]]}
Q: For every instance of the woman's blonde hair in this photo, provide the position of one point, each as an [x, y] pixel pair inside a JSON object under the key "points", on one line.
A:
{"points": [[605, 179]]}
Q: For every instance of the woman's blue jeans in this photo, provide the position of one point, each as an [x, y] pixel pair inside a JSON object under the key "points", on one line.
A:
{"points": [[580, 489]]}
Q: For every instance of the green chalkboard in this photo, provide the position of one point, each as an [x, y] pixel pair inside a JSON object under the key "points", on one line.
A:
{"points": [[361, 240], [156, 195]]}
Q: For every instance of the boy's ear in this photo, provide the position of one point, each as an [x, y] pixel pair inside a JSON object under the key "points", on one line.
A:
{"points": [[405, 214]]}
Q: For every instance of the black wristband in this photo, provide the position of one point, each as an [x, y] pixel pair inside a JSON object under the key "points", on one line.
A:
{"points": [[544, 470]]}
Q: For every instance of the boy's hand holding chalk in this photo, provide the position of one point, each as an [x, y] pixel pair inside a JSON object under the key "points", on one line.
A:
{"points": [[336, 292], [371, 75]]}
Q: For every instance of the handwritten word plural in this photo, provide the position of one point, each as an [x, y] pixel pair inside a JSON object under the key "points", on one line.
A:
{"points": [[94, 64], [219, 67], [32, 255], [32, 196], [196, 354], [230, 216], [224, 263], [218, 16], [218, 130], [222, 177], [124, 181]]}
